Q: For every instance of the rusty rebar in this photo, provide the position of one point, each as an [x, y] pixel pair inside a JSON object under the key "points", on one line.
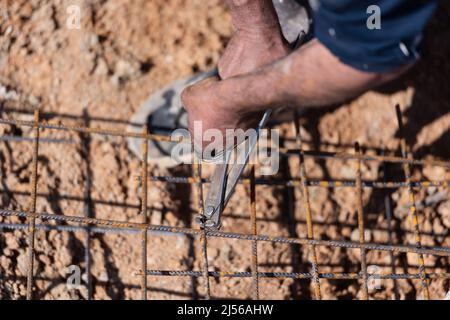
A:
{"points": [[82, 129], [312, 182], [307, 207], [413, 209], [88, 210], [197, 176], [361, 224], [156, 137], [388, 215], [367, 158], [144, 199], [254, 231], [437, 251], [32, 208], [292, 275]]}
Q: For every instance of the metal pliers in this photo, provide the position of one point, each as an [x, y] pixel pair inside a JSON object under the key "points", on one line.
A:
{"points": [[226, 176]]}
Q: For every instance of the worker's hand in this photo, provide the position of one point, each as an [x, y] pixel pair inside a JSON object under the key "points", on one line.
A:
{"points": [[249, 50], [211, 107]]}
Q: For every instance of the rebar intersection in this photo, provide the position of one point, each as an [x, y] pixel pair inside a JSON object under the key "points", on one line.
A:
{"points": [[91, 225]]}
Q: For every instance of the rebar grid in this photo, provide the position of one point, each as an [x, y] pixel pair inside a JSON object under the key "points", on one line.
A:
{"points": [[94, 225]]}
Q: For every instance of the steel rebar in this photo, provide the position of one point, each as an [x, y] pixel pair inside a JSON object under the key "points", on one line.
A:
{"points": [[144, 198], [197, 175], [293, 275], [254, 231], [312, 183], [413, 209], [307, 207], [437, 251], [361, 224], [32, 208]]}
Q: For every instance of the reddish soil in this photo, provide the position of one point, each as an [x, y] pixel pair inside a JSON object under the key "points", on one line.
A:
{"points": [[100, 74]]}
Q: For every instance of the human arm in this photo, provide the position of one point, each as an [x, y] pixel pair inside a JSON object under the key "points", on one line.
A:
{"points": [[257, 41], [309, 77]]}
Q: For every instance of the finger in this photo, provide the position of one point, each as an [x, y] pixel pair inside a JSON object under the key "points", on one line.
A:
{"points": [[191, 92], [207, 81]]}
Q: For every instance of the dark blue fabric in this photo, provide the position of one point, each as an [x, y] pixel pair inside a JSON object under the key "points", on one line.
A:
{"points": [[341, 25]]}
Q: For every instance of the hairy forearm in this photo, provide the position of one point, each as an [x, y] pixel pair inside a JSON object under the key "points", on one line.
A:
{"points": [[309, 77], [254, 15]]}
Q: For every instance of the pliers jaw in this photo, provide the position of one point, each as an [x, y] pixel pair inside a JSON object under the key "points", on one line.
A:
{"points": [[209, 222], [216, 200]]}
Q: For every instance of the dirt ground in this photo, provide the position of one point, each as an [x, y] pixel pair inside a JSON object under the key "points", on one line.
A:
{"points": [[100, 74]]}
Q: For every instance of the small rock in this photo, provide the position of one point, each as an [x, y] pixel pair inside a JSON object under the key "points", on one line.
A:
{"points": [[34, 101], [102, 67], [6, 94], [45, 259], [125, 69], [93, 40], [438, 227], [103, 277], [444, 211], [433, 172], [22, 264], [9, 30], [15, 287], [355, 235], [213, 253], [12, 243], [180, 243], [171, 219], [63, 257], [7, 252], [226, 252], [395, 196], [156, 217], [5, 263]]}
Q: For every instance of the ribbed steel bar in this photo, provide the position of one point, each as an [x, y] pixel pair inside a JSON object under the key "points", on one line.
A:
{"points": [[361, 224], [253, 223], [99, 131], [32, 208], [70, 229], [144, 198], [197, 176], [292, 275], [388, 214], [314, 183], [437, 251], [365, 158], [93, 230], [88, 211], [204, 246], [315, 154], [413, 209], [122, 133], [307, 207], [42, 140]]}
